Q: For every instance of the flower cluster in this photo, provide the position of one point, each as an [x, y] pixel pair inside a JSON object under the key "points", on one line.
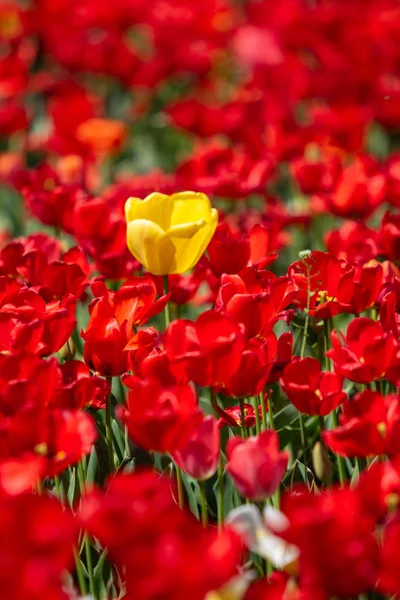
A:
{"points": [[199, 299]]}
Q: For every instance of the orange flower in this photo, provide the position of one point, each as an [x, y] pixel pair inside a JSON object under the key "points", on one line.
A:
{"points": [[102, 136]]}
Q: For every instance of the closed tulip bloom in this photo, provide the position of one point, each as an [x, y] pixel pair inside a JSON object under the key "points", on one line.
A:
{"points": [[168, 234], [198, 454], [256, 464]]}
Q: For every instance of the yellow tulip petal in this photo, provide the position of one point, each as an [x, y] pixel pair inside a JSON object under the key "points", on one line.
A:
{"points": [[156, 207], [212, 225], [189, 207], [130, 207], [186, 230], [191, 242], [151, 246]]}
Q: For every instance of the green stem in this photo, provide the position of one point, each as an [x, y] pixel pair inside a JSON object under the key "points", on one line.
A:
{"points": [[88, 548], [122, 391], [57, 482], [328, 326], [268, 568], [204, 508], [263, 410], [167, 310], [303, 443], [220, 492], [270, 412], [220, 473], [242, 418], [340, 461], [89, 564], [65, 487], [127, 452], [78, 565], [277, 497], [305, 333], [179, 483], [327, 335], [321, 424], [109, 434], [302, 352], [76, 338], [257, 415], [307, 319], [276, 500], [167, 317]]}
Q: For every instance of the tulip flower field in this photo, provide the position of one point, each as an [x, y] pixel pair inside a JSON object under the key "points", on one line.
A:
{"points": [[199, 299]]}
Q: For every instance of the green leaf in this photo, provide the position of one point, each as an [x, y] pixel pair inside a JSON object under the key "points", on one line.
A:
{"points": [[101, 574], [231, 495], [119, 440], [127, 465], [355, 475], [73, 490], [92, 466], [378, 141], [193, 494], [304, 471]]}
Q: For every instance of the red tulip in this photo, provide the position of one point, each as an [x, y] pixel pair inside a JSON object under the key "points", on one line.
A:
{"points": [[311, 390], [327, 281], [160, 418], [43, 431], [112, 318], [368, 280], [198, 454], [336, 538], [51, 201], [228, 252], [389, 236], [34, 325], [80, 389], [258, 312], [389, 578], [367, 351], [231, 416], [138, 515], [208, 351], [370, 424], [105, 340], [254, 370], [353, 241], [225, 171], [256, 465], [100, 229], [359, 191], [43, 536]]}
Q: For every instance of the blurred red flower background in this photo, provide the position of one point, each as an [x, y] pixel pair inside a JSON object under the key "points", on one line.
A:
{"points": [[231, 431]]}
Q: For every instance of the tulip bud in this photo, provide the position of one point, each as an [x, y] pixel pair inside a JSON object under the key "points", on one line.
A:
{"points": [[321, 463], [68, 351]]}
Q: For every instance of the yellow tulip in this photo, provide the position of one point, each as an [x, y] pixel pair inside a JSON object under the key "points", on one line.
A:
{"points": [[168, 234]]}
